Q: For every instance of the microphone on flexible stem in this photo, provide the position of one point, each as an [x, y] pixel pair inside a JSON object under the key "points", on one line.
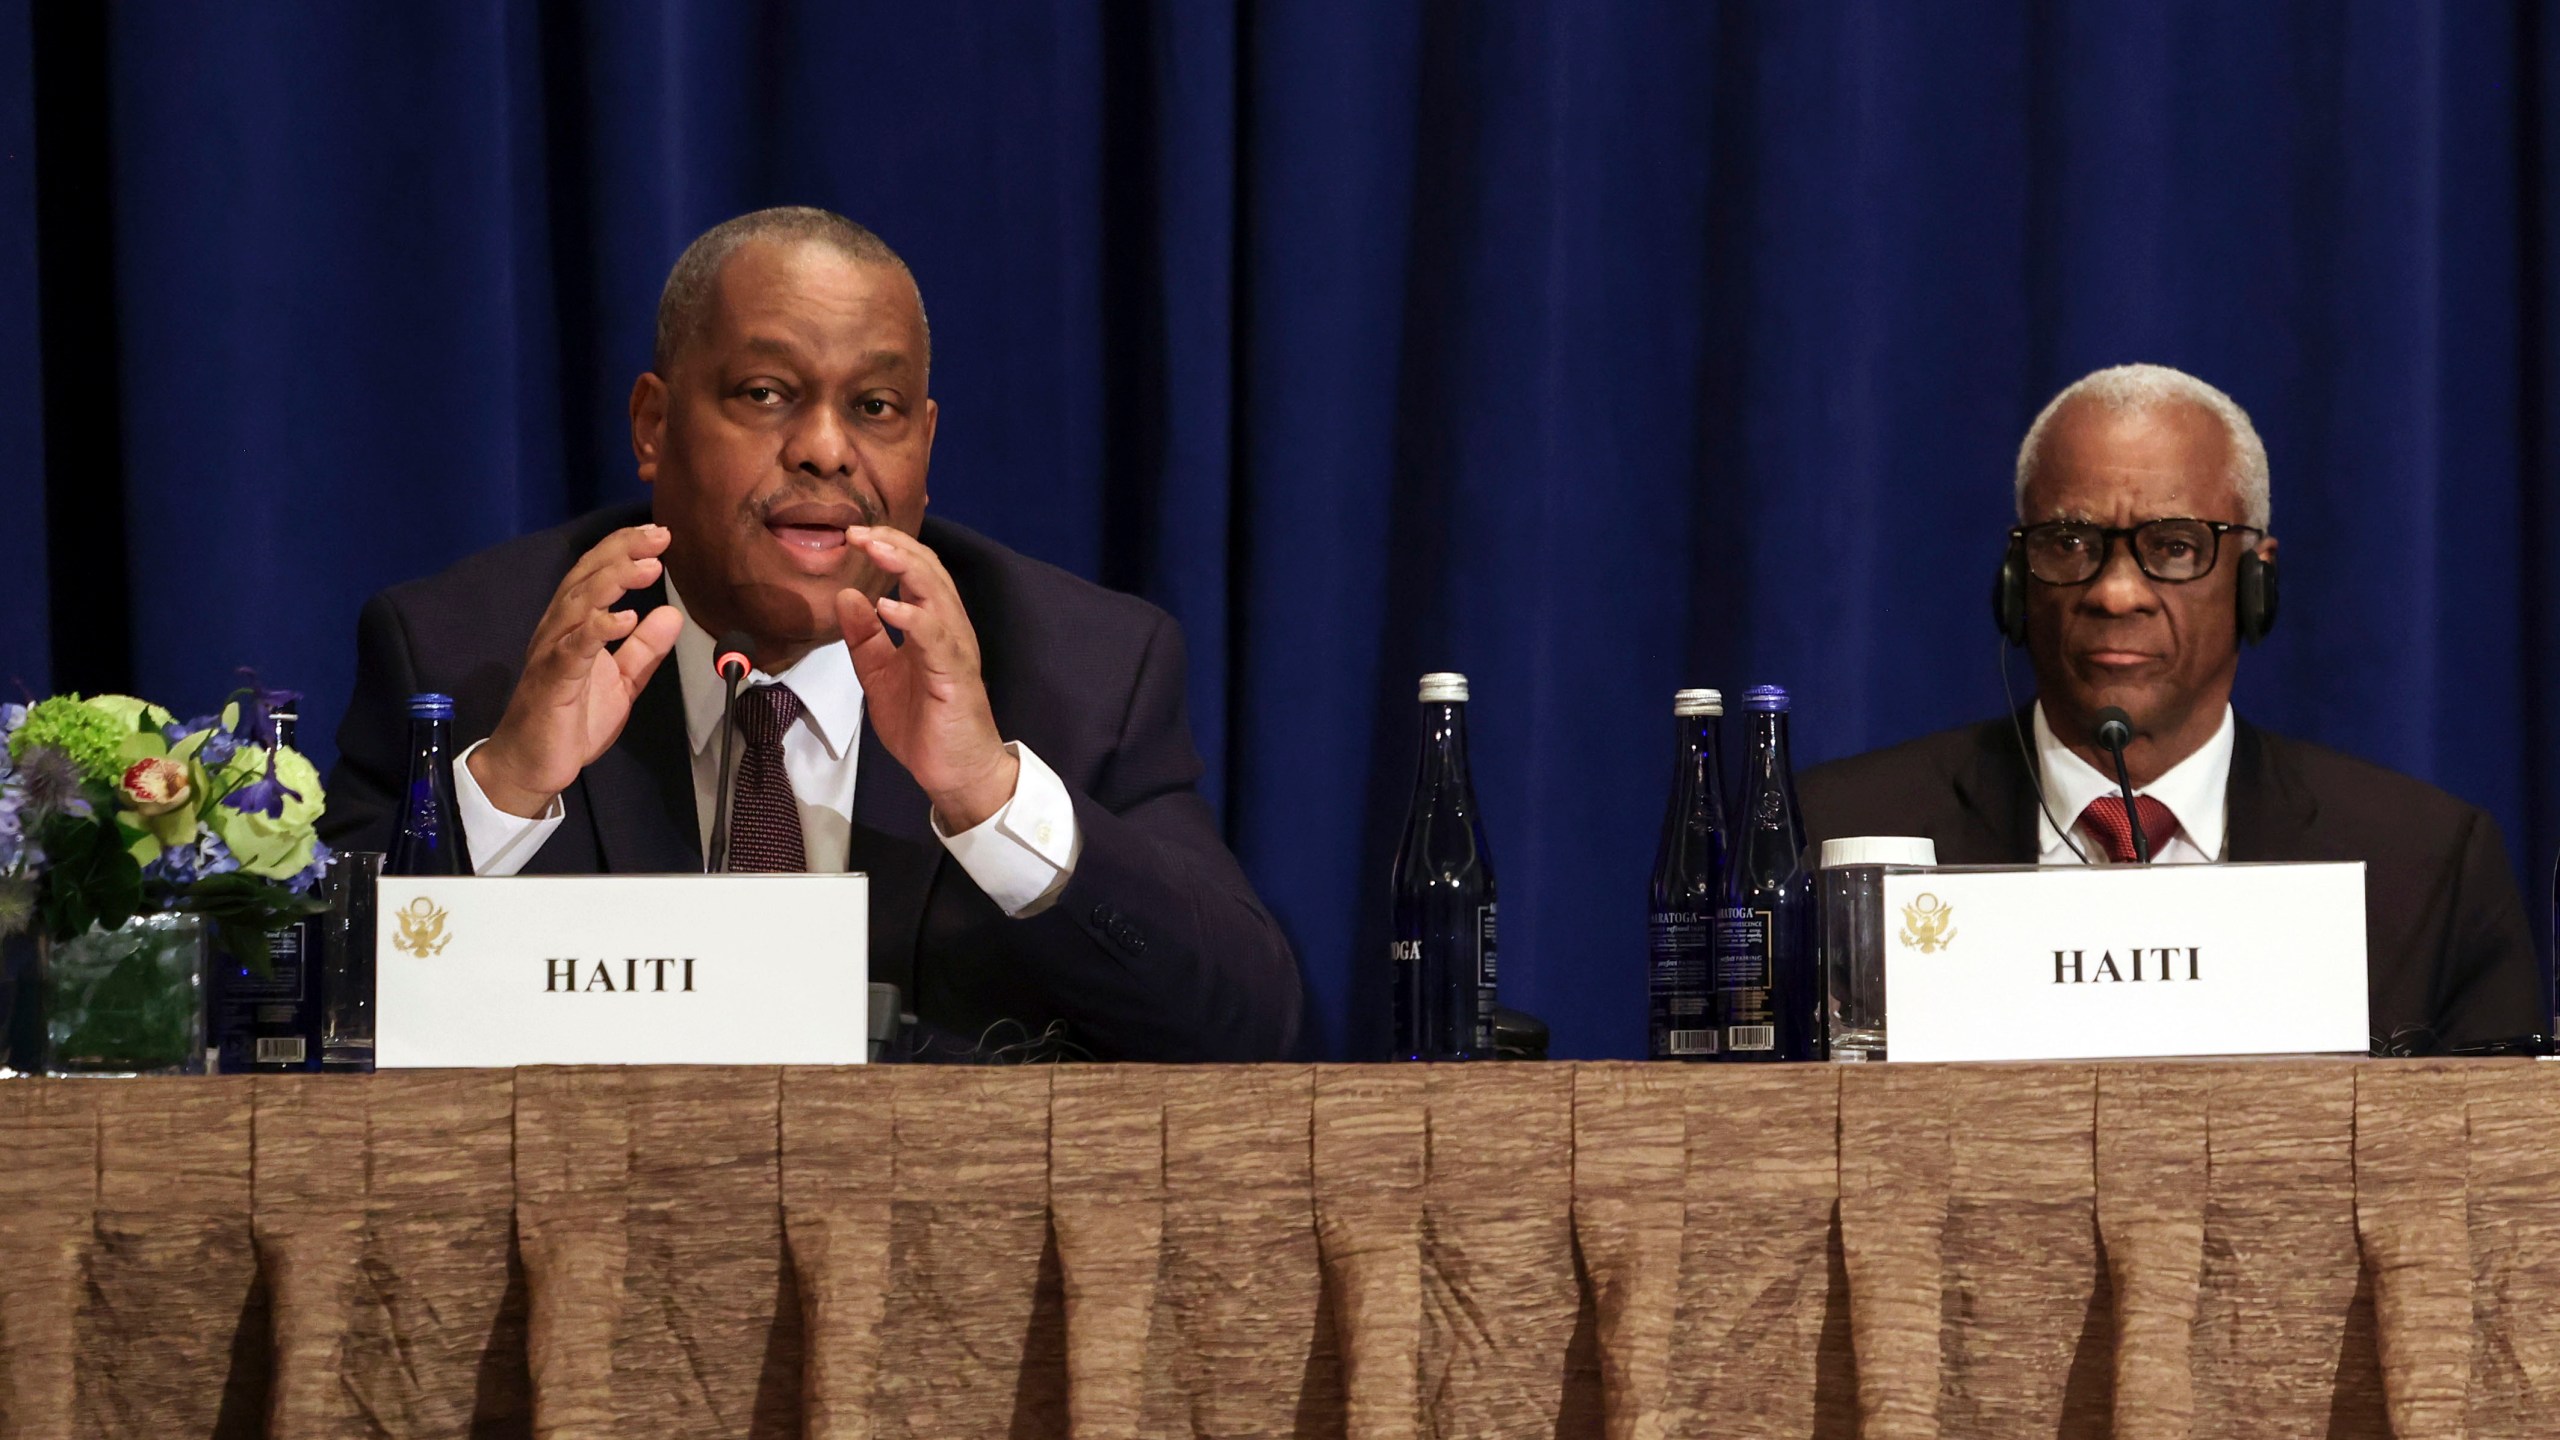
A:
{"points": [[735, 657], [2115, 731]]}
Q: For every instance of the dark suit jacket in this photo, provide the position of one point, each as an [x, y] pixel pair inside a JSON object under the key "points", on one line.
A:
{"points": [[2448, 957], [1156, 950]]}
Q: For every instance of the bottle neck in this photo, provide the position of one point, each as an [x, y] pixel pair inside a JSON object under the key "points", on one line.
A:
{"points": [[1444, 743], [1769, 817], [427, 741], [1769, 759], [1698, 777]]}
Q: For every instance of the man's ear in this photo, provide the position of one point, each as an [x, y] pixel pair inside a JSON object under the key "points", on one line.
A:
{"points": [[2267, 548], [648, 424], [932, 417]]}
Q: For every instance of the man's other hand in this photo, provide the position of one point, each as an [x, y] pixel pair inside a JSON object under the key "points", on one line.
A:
{"points": [[925, 698], [575, 694]]}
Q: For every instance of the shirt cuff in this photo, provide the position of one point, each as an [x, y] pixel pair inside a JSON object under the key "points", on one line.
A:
{"points": [[500, 843], [1024, 854]]}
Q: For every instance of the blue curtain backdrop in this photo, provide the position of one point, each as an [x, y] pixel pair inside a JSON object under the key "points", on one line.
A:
{"points": [[1593, 349]]}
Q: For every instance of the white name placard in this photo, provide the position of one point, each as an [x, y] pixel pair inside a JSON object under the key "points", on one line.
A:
{"points": [[2073, 963], [622, 970]]}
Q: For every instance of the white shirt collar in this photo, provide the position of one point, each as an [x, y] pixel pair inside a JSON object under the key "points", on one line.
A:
{"points": [[2196, 789], [830, 693]]}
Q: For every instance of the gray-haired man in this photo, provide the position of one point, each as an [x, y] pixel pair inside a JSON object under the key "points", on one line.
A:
{"points": [[2141, 562]]}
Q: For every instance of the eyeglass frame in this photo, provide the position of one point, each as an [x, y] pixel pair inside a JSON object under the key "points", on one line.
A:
{"points": [[2107, 537]]}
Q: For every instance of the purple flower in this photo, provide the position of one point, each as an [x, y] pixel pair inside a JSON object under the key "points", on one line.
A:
{"points": [[11, 717], [310, 875], [182, 865], [218, 747], [50, 782], [265, 794], [257, 712]]}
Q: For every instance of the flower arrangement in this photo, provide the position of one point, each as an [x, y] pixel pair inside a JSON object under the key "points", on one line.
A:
{"points": [[110, 807]]}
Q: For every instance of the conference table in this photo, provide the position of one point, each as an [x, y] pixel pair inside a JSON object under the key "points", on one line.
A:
{"points": [[2298, 1247]]}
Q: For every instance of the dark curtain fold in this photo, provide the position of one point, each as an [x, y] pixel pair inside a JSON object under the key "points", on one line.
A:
{"points": [[24, 642], [1591, 349]]}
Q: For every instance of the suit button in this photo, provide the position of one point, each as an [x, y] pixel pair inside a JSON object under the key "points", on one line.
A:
{"points": [[1104, 917]]}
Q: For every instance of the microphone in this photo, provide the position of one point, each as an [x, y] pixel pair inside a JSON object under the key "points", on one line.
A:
{"points": [[2115, 731], [735, 657]]}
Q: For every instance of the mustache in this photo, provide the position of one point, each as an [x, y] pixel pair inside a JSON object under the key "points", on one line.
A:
{"points": [[762, 507]]}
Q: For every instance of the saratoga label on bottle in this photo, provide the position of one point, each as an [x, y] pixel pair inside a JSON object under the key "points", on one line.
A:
{"points": [[1745, 976], [1683, 955], [1486, 972], [1743, 949], [1681, 944]]}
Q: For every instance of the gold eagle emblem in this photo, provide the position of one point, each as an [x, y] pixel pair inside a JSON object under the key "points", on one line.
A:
{"points": [[1928, 925], [421, 928]]}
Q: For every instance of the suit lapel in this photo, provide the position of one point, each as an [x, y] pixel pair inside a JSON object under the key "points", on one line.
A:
{"points": [[1999, 799], [641, 790], [892, 842], [2270, 814]]}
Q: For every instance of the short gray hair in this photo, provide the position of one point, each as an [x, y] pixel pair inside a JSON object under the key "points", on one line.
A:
{"points": [[684, 307], [2124, 388]]}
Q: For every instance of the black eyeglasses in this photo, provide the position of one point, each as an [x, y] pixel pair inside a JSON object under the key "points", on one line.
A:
{"points": [[2072, 552]]}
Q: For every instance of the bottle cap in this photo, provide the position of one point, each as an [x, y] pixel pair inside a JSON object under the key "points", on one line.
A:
{"points": [[431, 707], [1766, 699], [1879, 850], [1444, 687], [1697, 702]]}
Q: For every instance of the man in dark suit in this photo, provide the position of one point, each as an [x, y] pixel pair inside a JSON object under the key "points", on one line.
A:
{"points": [[2172, 468], [1001, 746]]}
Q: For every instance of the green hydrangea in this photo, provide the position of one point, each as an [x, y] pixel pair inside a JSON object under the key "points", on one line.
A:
{"points": [[131, 713], [90, 736], [278, 848]]}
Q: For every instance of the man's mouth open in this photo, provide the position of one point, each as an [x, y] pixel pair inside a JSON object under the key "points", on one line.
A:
{"points": [[808, 537], [811, 535]]}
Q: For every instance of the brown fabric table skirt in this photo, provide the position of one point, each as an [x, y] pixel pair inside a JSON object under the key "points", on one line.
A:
{"points": [[2242, 1249]]}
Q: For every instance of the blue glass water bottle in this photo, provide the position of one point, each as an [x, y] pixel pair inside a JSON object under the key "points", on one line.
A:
{"points": [[268, 1023], [429, 840], [1688, 890], [1442, 964], [1765, 993]]}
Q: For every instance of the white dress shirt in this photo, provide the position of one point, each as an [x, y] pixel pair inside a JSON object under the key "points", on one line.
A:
{"points": [[2195, 789], [1021, 856]]}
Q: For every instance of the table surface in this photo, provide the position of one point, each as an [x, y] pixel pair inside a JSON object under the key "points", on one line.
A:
{"points": [[2323, 1248]]}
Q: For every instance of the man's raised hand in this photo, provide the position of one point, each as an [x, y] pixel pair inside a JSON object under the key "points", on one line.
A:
{"points": [[925, 699], [575, 695]]}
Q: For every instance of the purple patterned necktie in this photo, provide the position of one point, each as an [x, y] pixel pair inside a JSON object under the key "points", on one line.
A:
{"points": [[764, 818]]}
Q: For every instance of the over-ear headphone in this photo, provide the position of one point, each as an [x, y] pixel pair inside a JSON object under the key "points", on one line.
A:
{"points": [[2256, 597]]}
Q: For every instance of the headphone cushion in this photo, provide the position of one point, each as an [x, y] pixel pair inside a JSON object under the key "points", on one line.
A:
{"points": [[2257, 598], [2009, 599]]}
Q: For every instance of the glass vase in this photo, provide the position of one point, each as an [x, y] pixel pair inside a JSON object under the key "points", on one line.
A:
{"points": [[126, 1001], [21, 1020]]}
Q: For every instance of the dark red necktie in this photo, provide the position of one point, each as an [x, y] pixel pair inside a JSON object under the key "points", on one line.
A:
{"points": [[2105, 819], [764, 818]]}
